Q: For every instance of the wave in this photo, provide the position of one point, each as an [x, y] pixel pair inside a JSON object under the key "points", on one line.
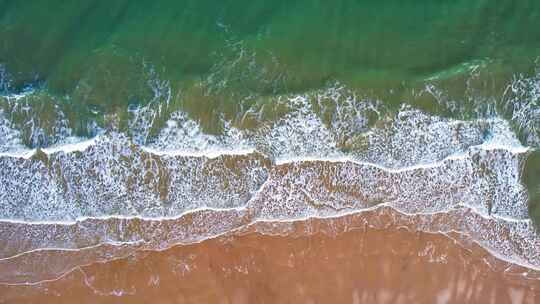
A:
{"points": [[83, 201], [476, 193], [113, 176]]}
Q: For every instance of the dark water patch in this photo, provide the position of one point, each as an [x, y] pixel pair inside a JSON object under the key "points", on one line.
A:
{"points": [[531, 178]]}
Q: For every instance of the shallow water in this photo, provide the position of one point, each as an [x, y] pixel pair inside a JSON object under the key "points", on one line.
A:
{"points": [[386, 134]]}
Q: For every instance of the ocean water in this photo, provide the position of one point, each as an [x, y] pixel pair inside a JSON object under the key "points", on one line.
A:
{"points": [[129, 127]]}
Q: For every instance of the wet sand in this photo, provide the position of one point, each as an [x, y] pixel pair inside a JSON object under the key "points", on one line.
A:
{"points": [[316, 261]]}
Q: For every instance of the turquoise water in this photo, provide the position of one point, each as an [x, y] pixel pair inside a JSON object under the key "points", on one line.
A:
{"points": [[72, 69]]}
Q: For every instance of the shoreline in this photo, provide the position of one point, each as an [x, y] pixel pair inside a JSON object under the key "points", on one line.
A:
{"points": [[371, 264]]}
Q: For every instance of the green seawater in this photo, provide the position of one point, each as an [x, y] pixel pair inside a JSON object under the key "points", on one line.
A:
{"points": [[369, 45], [93, 61]]}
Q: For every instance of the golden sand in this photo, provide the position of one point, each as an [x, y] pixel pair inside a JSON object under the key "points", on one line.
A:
{"points": [[363, 265]]}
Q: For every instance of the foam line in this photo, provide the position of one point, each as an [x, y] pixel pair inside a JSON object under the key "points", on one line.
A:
{"points": [[80, 220]]}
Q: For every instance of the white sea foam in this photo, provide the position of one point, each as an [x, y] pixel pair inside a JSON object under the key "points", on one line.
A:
{"points": [[10, 138], [183, 135], [300, 133], [209, 154], [71, 144], [522, 99]]}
